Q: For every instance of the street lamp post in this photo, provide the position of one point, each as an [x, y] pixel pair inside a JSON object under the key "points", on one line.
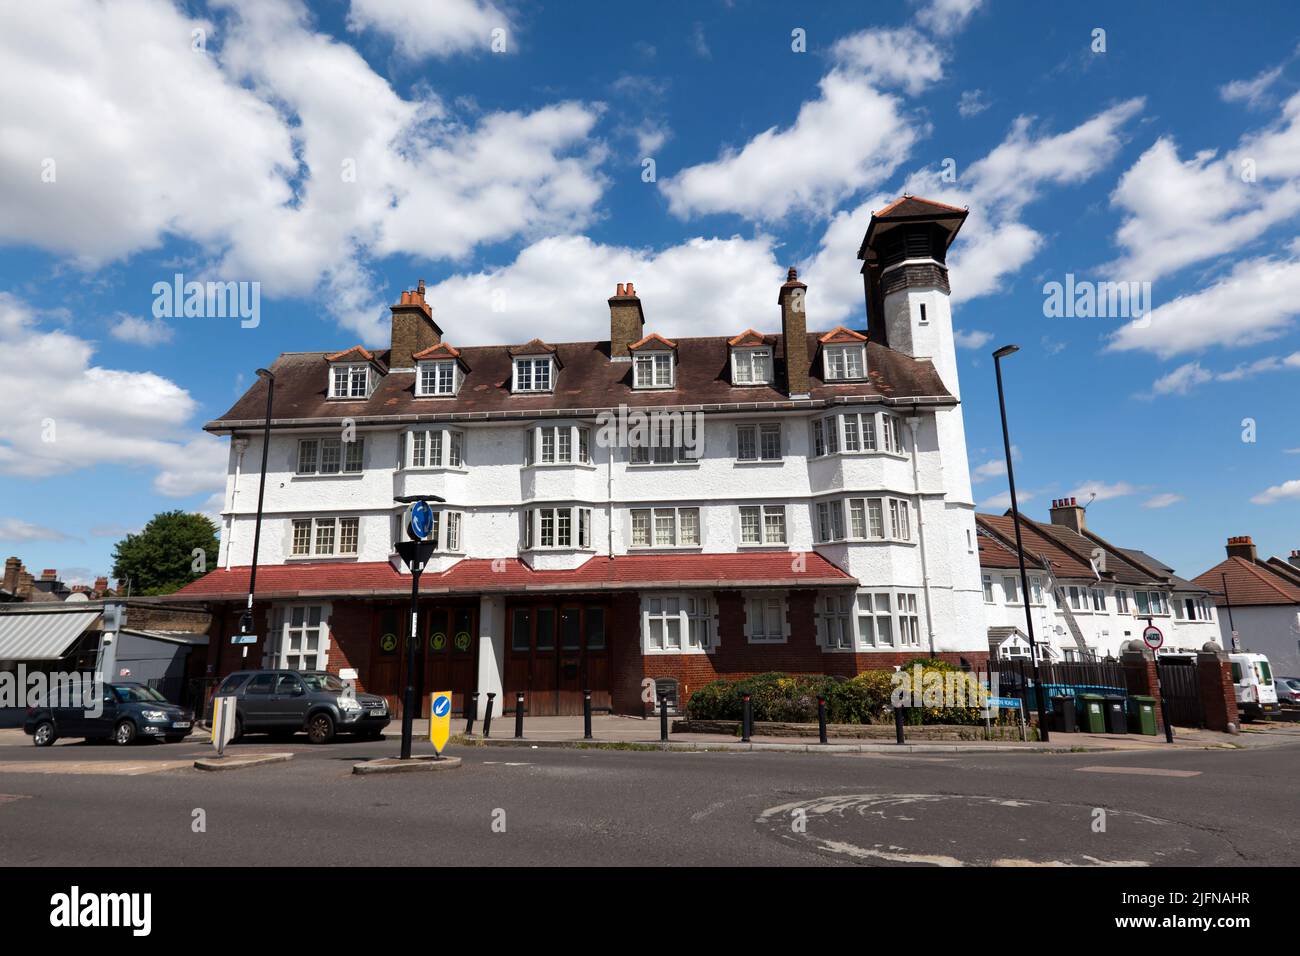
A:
{"points": [[415, 551], [246, 619], [998, 356]]}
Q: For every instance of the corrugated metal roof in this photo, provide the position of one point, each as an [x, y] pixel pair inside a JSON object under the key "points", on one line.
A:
{"points": [[41, 637]]}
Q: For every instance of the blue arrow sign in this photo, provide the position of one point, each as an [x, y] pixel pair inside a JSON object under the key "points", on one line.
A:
{"points": [[419, 522], [442, 706]]}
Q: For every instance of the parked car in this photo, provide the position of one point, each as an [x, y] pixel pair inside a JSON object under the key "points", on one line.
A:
{"points": [[129, 712], [285, 702], [1252, 680], [1288, 689]]}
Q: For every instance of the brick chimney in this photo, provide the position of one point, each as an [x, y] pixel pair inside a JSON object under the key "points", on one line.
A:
{"points": [[1242, 547], [626, 320], [794, 334], [13, 567], [413, 328], [101, 584], [50, 574], [1294, 560], [1068, 513]]}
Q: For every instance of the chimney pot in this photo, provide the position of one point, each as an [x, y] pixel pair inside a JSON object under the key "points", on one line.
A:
{"points": [[626, 320], [1241, 546], [630, 290], [792, 274]]}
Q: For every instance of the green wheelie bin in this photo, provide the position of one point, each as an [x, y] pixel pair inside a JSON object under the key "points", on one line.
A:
{"points": [[1143, 719], [1093, 720]]}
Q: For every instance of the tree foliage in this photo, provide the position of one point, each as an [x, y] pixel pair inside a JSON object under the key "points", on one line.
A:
{"points": [[161, 557]]}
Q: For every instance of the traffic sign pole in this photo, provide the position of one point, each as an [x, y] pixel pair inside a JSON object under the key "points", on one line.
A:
{"points": [[416, 553]]}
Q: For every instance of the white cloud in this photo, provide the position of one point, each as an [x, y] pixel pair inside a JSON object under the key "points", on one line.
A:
{"points": [[1180, 212], [851, 137], [1191, 374], [283, 156], [63, 413], [1162, 500], [972, 103], [946, 17], [456, 26], [891, 58], [1275, 493], [556, 289], [972, 338], [1103, 490], [1181, 380], [1250, 91], [16, 529], [993, 468], [1254, 303], [1002, 500], [146, 332]]}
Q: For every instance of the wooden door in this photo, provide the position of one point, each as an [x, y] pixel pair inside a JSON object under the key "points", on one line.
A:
{"points": [[450, 654], [556, 651]]}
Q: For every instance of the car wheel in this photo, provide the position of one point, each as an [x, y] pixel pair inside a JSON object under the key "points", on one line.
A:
{"points": [[124, 733], [320, 729], [44, 735]]}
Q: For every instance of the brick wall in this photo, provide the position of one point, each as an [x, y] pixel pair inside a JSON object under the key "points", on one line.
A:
{"points": [[736, 658], [351, 626], [1218, 699]]}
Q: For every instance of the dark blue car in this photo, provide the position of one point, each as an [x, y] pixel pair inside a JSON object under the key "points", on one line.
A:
{"points": [[128, 712]]}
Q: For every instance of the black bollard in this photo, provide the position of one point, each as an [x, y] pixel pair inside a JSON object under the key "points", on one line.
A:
{"points": [[821, 718], [487, 716], [663, 718], [586, 715], [470, 710], [898, 723], [746, 720], [519, 714]]}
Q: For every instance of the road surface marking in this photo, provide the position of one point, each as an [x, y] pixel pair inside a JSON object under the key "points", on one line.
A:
{"points": [[1141, 771]]}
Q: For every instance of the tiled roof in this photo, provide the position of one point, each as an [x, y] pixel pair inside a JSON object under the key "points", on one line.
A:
{"points": [[1065, 563], [356, 350], [588, 380], [1248, 584], [651, 340], [995, 554], [841, 334], [475, 575], [749, 337], [532, 347], [907, 206], [437, 351]]}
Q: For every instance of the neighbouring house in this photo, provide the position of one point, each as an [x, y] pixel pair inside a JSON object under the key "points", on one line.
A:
{"points": [[818, 520], [1259, 603], [1087, 596], [139, 640], [19, 584]]}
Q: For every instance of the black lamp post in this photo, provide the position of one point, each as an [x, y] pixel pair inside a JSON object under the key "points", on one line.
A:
{"points": [[998, 356], [415, 551], [246, 619]]}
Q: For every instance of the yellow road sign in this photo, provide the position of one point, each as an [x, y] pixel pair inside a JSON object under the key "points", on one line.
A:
{"points": [[439, 719]]}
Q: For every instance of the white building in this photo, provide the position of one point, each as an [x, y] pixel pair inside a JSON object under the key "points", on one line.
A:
{"points": [[1260, 600], [1087, 596], [811, 513]]}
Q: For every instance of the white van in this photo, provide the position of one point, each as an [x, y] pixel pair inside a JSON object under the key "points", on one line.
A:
{"points": [[1252, 680]]}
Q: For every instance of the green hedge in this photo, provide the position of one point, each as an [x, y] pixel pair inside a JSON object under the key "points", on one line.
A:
{"points": [[792, 698]]}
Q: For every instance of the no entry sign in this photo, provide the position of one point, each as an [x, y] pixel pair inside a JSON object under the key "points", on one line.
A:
{"points": [[1153, 638]]}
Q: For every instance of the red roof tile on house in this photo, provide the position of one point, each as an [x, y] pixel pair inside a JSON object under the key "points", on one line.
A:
{"points": [[654, 338], [624, 572], [907, 206], [1248, 584], [748, 337], [355, 350], [840, 334], [437, 351], [534, 347]]}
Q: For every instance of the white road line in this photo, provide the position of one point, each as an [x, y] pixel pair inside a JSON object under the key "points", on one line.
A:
{"points": [[1141, 771]]}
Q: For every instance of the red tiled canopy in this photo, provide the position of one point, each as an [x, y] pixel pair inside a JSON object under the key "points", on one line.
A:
{"points": [[506, 575]]}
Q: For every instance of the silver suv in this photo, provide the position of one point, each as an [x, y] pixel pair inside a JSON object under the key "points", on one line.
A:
{"points": [[283, 703]]}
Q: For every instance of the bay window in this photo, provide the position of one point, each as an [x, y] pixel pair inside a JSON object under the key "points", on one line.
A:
{"points": [[858, 433], [555, 528], [758, 442], [435, 448], [889, 619], [558, 445], [835, 621]]}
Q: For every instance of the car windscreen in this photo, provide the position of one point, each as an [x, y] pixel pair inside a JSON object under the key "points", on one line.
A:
{"points": [[326, 682], [1265, 672], [135, 693], [230, 683]]}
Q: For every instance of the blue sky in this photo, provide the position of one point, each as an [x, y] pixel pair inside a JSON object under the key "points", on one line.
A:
{"points": [[514, 182]]}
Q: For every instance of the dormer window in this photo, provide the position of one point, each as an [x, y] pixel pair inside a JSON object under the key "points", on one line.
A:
{"points": [[437, 378], [350, 381], [354, 373], [844, 363], [751, 366], [533, 375], [844, 355], [653, 370]]}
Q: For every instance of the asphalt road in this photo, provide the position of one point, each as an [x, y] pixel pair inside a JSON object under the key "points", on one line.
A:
{"points": [[80, 804]]}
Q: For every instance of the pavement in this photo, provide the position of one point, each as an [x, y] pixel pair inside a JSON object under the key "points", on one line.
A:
{"points": [[572, 806]]}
